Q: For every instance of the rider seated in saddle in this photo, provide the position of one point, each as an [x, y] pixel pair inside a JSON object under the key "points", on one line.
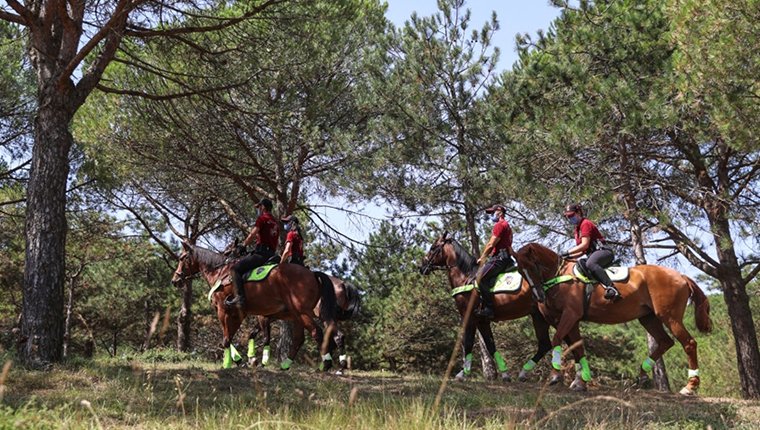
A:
{"points": [[495, 259], [265, 233], [293, 252], [589, 242]]}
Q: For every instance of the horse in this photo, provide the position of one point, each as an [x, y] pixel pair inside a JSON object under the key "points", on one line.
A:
{"points": [[654, 295], [289, 292], [447, 254], [349, 306]]}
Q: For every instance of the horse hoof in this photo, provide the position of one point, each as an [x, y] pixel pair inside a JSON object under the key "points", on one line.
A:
{"points": [[555, 379], [460, 376], [644, 381], [505, 377], [686, 391], [343, 364], [578, 385], [252, 362], [339, 372], [326, 365], [523, 376]]}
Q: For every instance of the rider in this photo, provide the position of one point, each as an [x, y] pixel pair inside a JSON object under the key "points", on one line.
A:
{"points": [[495, 259], [265, 233], [589, 242], [293, 252]]}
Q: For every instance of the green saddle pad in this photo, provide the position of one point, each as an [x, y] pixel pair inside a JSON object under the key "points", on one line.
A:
{"points": [[260, 273], [616, 274], [507, 282]]}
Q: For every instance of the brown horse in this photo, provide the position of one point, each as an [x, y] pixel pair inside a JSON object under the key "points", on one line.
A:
{"points": [[654, 295], [349, 306], [447, 254], [289, 292]]}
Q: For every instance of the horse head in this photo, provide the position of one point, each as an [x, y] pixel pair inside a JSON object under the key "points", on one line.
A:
{"points": [[187, 266], [436, 257], [537, 262]]}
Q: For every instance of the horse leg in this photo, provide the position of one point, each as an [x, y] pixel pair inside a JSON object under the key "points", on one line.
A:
{"points": [[484, 327], [295, 346], [340, 343], [318, 335], [690, 347], [265, 340], [468, 342], [541, 328], [567, 323], [230, 325], [664, 342], [582, 369], [251, 353]]}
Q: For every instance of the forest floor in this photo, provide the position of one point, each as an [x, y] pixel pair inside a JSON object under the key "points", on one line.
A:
{"points": [[196, 394]]}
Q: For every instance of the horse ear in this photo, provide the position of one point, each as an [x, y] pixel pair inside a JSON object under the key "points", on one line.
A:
{"points": [[185, 245], [445, 234]]}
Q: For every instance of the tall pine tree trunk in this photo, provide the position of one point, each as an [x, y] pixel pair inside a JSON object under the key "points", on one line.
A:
{"points": [[45, 233]]}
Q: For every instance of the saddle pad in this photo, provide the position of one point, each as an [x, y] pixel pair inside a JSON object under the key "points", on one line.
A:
{"points": [[616, 274], [507, 282], [260, 273]]}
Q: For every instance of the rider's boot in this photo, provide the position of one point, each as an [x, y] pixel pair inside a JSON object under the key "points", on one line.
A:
{"points": [[486, 300], [239, 299], [611, 293]]}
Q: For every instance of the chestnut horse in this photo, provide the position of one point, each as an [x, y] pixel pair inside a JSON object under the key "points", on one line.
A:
{"points": [[349, 306], [654, 295], [289, 292], [447, 254]]}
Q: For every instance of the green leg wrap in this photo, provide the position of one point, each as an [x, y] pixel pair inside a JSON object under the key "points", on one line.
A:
{"points": [[557, 357], [647, 365], [500, 363], [585, 370], [227, 362], [467, 364], [529, 365], [251, 348], [235, 354], [285, 365]]}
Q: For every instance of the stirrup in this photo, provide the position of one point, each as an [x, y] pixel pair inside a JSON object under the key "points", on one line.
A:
{"points": [[485, 312], [611, 293]]}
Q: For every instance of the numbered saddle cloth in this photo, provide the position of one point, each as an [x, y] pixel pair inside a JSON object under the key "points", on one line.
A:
{"points": [[616, 274], [507, 282]]}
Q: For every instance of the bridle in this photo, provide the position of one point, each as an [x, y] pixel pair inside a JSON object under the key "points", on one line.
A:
{"points": [[428, 266], [182, 276]]}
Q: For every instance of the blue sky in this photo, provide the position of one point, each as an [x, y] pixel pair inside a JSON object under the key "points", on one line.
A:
{"points": [[515, 16]]}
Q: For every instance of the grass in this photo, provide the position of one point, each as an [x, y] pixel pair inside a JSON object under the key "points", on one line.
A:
{"points": [[148, 394]]}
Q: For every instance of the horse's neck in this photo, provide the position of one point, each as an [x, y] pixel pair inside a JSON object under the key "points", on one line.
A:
{"points": [[213, 273], [457, 276]]}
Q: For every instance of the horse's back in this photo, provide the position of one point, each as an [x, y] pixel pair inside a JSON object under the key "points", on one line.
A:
{"points": [[663, 283]]}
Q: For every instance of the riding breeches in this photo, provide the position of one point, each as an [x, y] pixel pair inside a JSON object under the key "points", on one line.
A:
{"points": [[596, 263]]}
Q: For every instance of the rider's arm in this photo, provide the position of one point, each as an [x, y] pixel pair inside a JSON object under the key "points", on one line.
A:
{"points": [[581, 248], [489, 246], [251, 236], [286, 253]]}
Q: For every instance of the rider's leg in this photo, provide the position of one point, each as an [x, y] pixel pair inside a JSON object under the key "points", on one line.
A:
{"points": [[486, 281], [596, 263], [238, 270]]}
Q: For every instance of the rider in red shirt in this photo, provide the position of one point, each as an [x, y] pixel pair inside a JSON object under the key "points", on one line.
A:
{"points": [[589, 242], [495, 259], [265, 234], [293, 252]]}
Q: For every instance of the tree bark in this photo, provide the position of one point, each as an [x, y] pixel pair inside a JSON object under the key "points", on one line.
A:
{"points": [[745, 335], [45, 233], [185, 318], [67, 324], [486, 361]]}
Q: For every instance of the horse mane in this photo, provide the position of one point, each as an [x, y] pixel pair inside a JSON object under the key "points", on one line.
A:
{"points": [[208, 257], [465, 262]]}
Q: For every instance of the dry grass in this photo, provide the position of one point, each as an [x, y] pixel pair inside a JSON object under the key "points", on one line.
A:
{"points": [[114, 394]]}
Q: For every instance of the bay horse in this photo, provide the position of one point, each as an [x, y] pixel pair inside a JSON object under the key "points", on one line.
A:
{"points": [[447, 254], [349, 306], [654, 295], [289, 292]]}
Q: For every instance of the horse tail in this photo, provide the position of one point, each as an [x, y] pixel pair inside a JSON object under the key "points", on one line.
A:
{"points": [[353, 302], [701, 306], [329, 303]]}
